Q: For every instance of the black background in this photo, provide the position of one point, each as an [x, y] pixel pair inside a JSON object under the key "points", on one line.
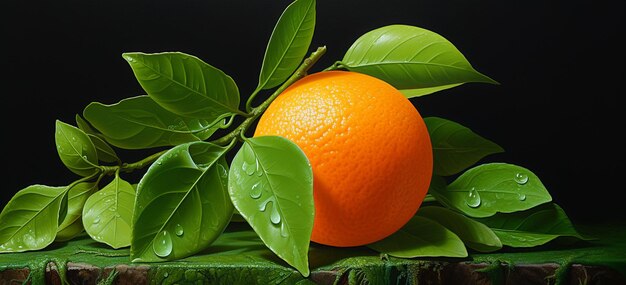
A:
{"points": [[556, 112]]}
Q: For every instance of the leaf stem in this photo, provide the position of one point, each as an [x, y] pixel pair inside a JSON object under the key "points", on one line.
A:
{"points": [[129, 167], [257, 111], [249, 101], [335, 66]]}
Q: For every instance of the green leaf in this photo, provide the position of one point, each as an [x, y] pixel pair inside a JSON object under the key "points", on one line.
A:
{"points": [[107, 214], [31, 218], [419, 92], [474, 234], [409, 57], [455, 147], [70, 231], [271, 185], [105, 152], [490, 188], [139, 122], [532, 227], [182, 203], [288, 43], [421, 237], [185, 85], [76, 197], [75, 149]]}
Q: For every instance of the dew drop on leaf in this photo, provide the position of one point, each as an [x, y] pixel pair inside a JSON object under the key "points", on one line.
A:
{"points": [[521, 196], [178, 230], [256, 190], [97, 220], [274, 216], [521, 178], [248, 168], [162, 245], [263, 205], [283, 230], [29, 240], [473, 198]]}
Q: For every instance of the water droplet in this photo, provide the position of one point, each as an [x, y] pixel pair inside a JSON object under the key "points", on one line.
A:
{"points": [[179, 230], [283, 230], [256, 190], [97, 220], [248, 168], [162, 245], [521, 196], [473, 198], [30, 240], [85, 157], [263, 205], [73, 138], [521, 178], [165, 275], [275, 216], [159, 162]]}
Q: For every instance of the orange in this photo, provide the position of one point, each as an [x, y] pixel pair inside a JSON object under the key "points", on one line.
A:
{"points": [[369, 149]]}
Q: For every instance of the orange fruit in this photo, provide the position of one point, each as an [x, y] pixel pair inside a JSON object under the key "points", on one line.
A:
{"points": [[369, 149]]}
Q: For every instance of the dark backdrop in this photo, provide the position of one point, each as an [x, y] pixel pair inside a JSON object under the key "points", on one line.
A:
{"points": [[559, 63]]}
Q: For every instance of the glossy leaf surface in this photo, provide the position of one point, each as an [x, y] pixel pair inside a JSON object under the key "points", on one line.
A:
{"points": [[533, 227], [75, 149], [271, 185], [455, 147], [409, 57], [105, 152], [185, 85], [490, 188], [77, 195], [182, 203], [31, 218], [419, 92], [70, 232], [288, 43], [421, 237], [107, 214], [474, 234], [139, 122]]}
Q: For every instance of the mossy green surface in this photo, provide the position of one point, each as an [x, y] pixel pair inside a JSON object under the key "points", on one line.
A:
{"points": [[239, 257], [605, 246]]}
